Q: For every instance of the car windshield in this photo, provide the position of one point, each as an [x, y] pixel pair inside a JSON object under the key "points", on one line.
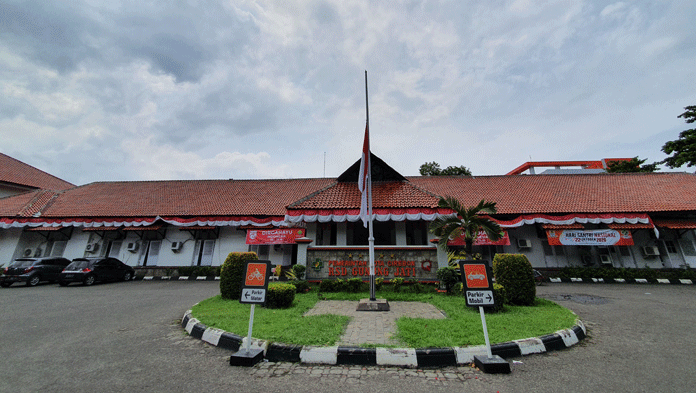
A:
{"points": [[23, 263], [78, 265]]}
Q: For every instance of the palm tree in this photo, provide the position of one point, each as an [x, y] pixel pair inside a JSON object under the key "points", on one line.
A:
{"points": [[467, 222]]}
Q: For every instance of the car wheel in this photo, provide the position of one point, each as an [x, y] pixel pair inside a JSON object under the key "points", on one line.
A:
{"points": [[6, 284], [33, 281], [89, 280], [127, 276], [63, 283]]}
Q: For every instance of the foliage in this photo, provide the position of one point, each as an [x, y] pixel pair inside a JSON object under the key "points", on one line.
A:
{"points": [[453, 257], [447, 275], [588, 273], [355, 285], [500, 296], [379, 281], [329, 285], [280, 295], [433, 169], [632, 166], [397, 283], [683, 150], [466, 221], [515, 273], [299, 271], [301, 286], [198, 271], [232, 274]]}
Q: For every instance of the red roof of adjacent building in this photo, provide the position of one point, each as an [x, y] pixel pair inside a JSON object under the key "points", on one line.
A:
{"points": [[18, 173]]}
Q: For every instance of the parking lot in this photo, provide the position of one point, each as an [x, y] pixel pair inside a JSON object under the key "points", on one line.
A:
{"points": [[126, 337]]}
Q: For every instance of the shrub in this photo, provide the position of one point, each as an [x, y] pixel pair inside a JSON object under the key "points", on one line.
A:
{"points": [[379, 281], [301, 286], [232, 274], [397, 283], [448, 277], [500, 297], [186, 270], [337, 285], [515, 273], [299, 271], [355, 284], [280, 295]]}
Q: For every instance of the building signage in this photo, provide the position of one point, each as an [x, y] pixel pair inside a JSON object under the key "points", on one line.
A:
{"points": [[255, 282], [478, 283], [274, 236], [596, 237], [482, 239]]}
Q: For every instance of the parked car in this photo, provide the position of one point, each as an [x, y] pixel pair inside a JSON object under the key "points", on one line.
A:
{"points": [[33, 270], [90, 270]]}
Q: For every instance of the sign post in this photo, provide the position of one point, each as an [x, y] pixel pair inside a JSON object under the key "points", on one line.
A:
{"points": [[478, 284], [254, 289]]}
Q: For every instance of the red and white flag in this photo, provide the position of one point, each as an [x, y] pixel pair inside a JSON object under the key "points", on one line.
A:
{"points": [[364, 179]]}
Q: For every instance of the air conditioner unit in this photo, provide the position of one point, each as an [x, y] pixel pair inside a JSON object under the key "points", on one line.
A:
{"points": [[176, 246], [606, 259], [132, 247], [92, 247], [28, 252], [524, 243], [651, 251]]}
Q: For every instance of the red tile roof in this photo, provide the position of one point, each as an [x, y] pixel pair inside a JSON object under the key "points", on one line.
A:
{"points": [[591, 193], [515, 195], [16, 172], [183, 198]]}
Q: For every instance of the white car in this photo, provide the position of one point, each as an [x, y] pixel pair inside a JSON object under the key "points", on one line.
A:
{"points": [[475, 276]]}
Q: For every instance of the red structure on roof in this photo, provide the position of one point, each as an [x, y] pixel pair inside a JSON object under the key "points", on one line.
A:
{"points": [[531, 165]]}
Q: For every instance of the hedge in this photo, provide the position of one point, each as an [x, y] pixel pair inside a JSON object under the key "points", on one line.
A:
{"points": [[515, 273], [232, 274]]}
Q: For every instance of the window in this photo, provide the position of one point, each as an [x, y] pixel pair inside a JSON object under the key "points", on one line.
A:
{"points": [[671, 247], [384, 233], [326, 234], [203, 253], [416, 233], [261, 250]]}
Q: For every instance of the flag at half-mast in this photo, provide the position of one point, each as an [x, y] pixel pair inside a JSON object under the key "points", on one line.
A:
{"points": [[364, 178]]}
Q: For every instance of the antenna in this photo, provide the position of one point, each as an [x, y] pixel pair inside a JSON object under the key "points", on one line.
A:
{"points": [[324, 164]]}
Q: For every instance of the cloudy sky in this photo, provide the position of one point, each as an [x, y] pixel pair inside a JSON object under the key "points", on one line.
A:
{"points": [[98, 90]]}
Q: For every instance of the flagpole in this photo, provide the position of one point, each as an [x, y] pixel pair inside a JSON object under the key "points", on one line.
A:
{"points": [[371, 237]]}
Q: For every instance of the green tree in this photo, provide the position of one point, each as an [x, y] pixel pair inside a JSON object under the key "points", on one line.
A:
{"points": [[634, 165], [433, 169], [467, 222], [683, 150]]}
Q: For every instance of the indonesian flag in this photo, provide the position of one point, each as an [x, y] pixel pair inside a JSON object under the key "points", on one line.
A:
{"points": [[364, 178]]}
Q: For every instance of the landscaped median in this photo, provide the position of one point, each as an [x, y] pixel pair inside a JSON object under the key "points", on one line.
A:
{"points": [[287, 335]]}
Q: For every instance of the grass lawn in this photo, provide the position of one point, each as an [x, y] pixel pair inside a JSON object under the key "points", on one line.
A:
{"points": [[461, 328]]}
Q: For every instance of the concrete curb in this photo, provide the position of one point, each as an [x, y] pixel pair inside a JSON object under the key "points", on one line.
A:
{"points": [[624, 281], [400, 357]]}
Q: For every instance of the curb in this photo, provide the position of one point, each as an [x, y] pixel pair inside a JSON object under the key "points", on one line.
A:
{"points": [[400, 357], [623, 281]]}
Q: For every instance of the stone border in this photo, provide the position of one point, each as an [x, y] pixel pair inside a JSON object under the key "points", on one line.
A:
{"points": [[400, 357], [624, 281]]}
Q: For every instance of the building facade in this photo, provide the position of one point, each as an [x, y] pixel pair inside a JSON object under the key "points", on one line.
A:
{"points": [[597, 219]]}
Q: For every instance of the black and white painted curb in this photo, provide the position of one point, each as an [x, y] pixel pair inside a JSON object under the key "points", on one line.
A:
{"points": [[401, 357], [552, 279], [624, 281]]}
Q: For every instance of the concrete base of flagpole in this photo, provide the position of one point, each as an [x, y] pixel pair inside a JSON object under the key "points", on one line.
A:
{"points": [[373, 305]]}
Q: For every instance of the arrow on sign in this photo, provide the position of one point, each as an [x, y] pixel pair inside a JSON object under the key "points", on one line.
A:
{"points": [[489, 297], [246, 295]]}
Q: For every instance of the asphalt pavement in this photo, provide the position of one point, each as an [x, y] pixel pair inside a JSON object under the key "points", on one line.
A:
{"points": [[127, 337]]}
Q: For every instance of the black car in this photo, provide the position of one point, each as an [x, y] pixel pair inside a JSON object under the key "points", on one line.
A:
{"points": [[33, 270], [90, 270]]}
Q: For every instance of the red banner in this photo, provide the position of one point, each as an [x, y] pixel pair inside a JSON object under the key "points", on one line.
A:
{"points": [[274, 236], [599, 237], [482, 240]]}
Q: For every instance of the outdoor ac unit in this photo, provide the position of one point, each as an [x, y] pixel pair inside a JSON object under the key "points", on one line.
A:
{"points": [[176, 246], [605, 259], [651, 251], [92, 247], [28, 252], [524, 243], [132, 247]]}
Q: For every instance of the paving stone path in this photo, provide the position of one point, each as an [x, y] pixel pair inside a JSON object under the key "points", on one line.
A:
{"points": [[374, 327]]}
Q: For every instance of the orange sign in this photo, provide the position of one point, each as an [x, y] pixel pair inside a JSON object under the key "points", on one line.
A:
{"points": [[475, 276], [256, 275]]}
